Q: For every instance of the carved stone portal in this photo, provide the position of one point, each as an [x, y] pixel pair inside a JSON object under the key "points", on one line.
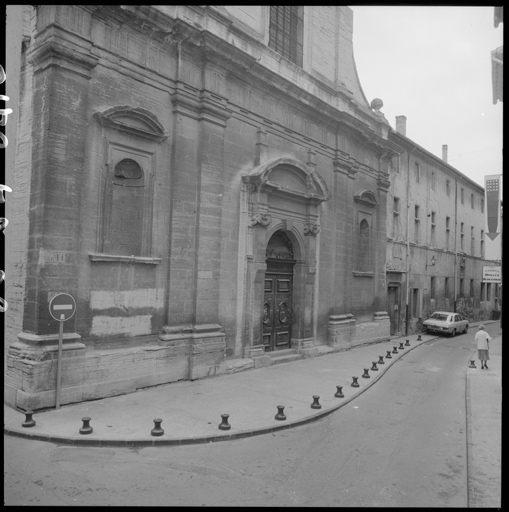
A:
{"points": [[280, 247]]}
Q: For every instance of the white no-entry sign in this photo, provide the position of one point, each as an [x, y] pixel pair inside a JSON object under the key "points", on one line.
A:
{"points": [[62, 307]]}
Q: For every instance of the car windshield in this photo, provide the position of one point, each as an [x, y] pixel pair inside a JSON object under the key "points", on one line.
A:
{"points": [[439, 316]]}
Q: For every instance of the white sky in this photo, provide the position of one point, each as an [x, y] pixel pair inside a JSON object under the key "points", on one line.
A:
{"points": [[433, 65]]}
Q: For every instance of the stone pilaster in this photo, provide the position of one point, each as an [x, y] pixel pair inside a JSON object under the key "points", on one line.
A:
{"points": [[62, 67], [345, 170]]}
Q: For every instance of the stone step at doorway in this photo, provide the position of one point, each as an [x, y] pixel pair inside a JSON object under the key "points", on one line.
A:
{"points": [[284, 356]]}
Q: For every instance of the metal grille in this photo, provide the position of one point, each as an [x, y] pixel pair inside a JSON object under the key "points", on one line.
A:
{"points": [[285, 31]]}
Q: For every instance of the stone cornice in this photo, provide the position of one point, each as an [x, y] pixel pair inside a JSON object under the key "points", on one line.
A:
{"points": [[249, 68], [201, 105], [54, 53]]}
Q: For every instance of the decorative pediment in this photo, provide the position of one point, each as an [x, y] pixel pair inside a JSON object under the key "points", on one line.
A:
{"points": [[366, 197], [289, 176], [135, 121]]}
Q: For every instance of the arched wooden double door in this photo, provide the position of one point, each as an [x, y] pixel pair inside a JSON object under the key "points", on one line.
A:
{"points": [[277, 300]]}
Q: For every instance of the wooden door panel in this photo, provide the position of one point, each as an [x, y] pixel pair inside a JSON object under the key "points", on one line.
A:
{"points": [[277, 311], [282, 339]]}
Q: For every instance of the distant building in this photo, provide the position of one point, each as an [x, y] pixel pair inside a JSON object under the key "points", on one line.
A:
{"points": [[437, 239], [208, 182]]}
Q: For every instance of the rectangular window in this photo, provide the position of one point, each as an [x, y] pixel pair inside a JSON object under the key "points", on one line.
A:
{"points": [[447, 232], [472, 200], [471, 288], [446, 288], [433, 180], [448, 188], [415, 303], [482, 243], [462, 237], [432, 288], [462, 287], [482, 205], [286, 31], [433, 228], [462, 196], [472, 241], [488, 292], [483, 292], [416, 224], [395, 218], [417, 172]]}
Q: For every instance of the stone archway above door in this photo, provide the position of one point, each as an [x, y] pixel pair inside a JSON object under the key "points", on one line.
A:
{"points": [[283, 194], [288, 176], [283, 181]]}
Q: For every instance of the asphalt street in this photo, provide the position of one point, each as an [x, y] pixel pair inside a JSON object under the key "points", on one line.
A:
{"points": [[405, 441]]}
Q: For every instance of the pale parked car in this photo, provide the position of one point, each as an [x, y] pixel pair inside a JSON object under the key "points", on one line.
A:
{"points": [[445, 322]]}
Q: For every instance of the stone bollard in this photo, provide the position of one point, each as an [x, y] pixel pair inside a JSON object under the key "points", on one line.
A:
{"points": [[374, 368], [86, 428], [29, 421], [395, 351], [339, 392], [224, 425], [401, 347], [381, 360], [280, 414], [472, 364], [388, 356], [407, 343], [315, 404], [419, 338], [157, 430], [355, 384], [366, 374]]}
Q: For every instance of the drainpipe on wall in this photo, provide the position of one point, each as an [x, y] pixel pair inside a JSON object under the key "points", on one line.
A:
{"points": [[407, 311], [455, 243]]}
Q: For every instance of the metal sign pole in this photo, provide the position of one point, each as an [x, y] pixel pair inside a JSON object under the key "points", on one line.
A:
{"points": [[59, 361], [61, 307]]}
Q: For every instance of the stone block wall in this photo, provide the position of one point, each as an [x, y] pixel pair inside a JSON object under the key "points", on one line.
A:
{"points": [[197, 123], [344, 332]]}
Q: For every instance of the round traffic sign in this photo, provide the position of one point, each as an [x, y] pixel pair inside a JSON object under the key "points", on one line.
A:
{"points": [[62, 307]]}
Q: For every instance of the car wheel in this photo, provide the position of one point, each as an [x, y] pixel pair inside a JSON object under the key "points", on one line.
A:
{"points": [[453, 333], [466, 329]]}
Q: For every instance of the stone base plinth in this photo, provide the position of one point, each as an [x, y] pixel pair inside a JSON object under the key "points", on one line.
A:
{"points": [[344, 332], [340, 331], [190, 352], [305, 347]]}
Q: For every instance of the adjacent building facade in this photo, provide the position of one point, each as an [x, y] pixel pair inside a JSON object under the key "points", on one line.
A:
{"points": [[209, 183], [436, 239]]}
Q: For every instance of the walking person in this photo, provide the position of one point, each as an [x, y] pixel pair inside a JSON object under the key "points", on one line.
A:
{"points": [[483, 346]]}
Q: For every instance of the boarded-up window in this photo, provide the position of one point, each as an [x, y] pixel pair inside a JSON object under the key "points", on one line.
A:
{"points": [[126, 209], [364, 246]]}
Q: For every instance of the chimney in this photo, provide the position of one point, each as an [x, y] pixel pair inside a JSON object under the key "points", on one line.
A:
{"points": [[444, 153], [401, 125]]}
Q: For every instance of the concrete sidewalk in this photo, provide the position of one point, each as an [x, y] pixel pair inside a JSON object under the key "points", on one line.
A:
{"points": [[191, 410], [484, 436]]}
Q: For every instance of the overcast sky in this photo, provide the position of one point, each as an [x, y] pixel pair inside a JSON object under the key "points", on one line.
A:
{"points": [[433, 65]]}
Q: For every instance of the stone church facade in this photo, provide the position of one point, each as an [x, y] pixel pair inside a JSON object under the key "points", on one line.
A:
{"points": [[209, 183]]}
